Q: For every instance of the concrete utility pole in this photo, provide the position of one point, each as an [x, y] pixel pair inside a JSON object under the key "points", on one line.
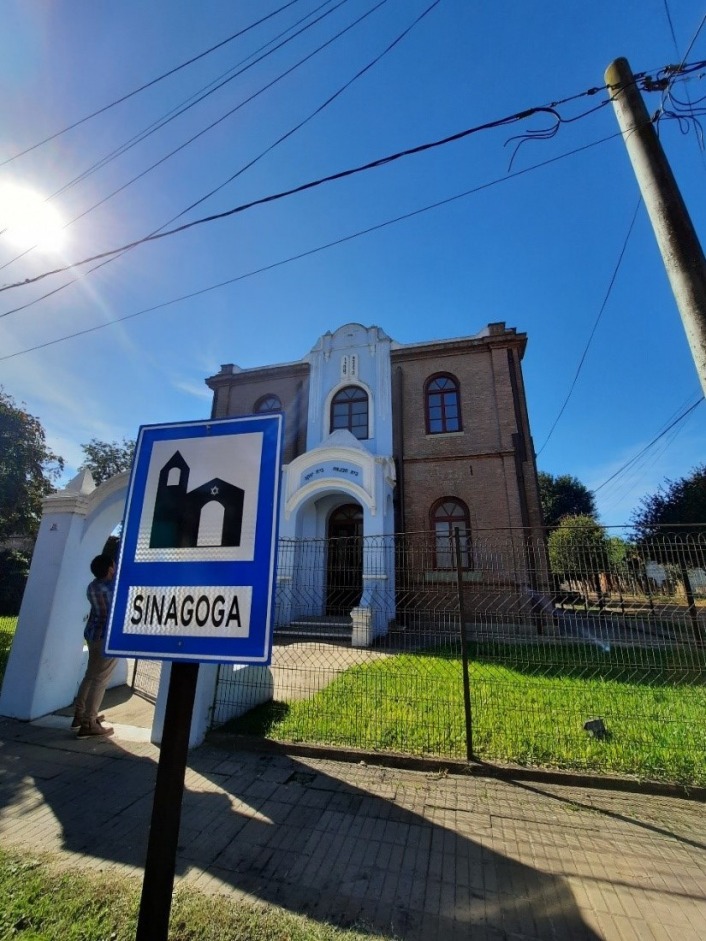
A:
{"points": [[680, 247]]}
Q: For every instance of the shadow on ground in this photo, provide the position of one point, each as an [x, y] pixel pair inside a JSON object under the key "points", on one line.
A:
{"points": [[286, 833]]}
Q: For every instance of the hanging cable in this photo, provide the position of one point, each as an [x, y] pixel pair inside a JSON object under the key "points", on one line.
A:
{"points": [[595, 325], [220, 120], [522, 115], [198, 97], [627, 464], [342, 174], [149, 84], [313, 251], [251, 163]]}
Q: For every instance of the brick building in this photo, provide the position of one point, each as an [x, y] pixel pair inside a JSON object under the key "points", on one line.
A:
{"points": [[382, 438]]}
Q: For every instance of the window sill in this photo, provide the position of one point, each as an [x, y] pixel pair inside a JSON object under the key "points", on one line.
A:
{"points": [[443, 434]]}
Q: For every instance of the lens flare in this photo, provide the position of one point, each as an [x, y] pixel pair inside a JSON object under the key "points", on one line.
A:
{"points": [[28, 221]]}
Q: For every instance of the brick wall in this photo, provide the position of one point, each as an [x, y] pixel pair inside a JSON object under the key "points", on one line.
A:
{"points": [[480, 465], [237, 393]]}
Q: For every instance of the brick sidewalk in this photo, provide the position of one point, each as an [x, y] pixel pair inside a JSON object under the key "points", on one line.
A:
{"points": [[409, 854]]}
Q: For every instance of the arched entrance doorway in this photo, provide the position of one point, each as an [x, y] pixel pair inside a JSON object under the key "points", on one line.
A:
{"points": [[344, 563]]}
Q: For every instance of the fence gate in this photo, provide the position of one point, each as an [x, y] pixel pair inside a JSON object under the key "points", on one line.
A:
{"points": [[145, 678]]}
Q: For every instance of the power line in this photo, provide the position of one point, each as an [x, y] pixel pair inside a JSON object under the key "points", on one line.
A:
{"points": [[251, 163], [675, 103], [342, 174], [314, 251], [198, 97], [522, 115], [149, 84], [671, 25], [625, 482], [232, 111], [595, 325], [627, 464], [214, 123], [671, 74], [549, 109], [313, 114], [627, 485]]}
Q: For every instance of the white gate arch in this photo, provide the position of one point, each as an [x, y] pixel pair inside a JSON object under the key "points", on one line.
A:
{"points": [[46, 664]]}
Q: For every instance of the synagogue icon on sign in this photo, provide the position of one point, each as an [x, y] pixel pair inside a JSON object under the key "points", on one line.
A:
{"points": [[179, 515]]}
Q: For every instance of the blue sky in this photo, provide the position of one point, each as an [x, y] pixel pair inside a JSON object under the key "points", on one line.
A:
{"points": [[536, 249]]}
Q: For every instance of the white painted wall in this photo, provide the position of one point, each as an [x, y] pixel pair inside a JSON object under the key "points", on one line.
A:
{"points": [[352, 355], [47, 659]]}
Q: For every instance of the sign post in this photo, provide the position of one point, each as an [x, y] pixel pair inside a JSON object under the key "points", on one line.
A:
{"points": [[195, 583], [160, 862]]}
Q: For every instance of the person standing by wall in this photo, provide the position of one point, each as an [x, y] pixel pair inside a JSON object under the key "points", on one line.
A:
{"points": [[86, 720]]}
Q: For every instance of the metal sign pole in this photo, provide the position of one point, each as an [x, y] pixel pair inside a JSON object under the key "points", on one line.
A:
{"points": [[158, 882]]}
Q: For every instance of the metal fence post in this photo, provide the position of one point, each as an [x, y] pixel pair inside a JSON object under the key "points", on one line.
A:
{"points": [[464, 647]]}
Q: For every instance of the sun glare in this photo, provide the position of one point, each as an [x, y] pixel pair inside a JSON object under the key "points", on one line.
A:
{"points": [[27, 220]]}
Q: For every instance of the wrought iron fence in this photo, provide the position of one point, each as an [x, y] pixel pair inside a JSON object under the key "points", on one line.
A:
{"points": [[590, 657]]}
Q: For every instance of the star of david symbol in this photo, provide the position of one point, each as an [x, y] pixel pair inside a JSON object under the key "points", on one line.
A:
{"points": [[214, 491]]}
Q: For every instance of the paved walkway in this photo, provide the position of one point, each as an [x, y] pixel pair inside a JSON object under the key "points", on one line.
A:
{"points": [[408, 854]]}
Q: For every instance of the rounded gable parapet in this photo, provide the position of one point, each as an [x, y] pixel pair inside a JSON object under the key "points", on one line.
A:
{"points": [[108, 489]]}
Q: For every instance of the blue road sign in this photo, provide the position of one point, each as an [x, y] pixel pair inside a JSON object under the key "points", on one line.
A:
{"points": [[196, 572]]}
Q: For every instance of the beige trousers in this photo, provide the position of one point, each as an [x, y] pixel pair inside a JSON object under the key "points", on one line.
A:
{"points": [[93, 685]]}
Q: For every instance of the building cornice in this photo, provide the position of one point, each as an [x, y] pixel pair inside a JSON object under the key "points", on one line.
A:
{"points": [[237, 376], [439, 349]]}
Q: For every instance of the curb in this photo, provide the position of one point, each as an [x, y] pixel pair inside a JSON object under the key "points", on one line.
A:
{"points": [[482, 769]]}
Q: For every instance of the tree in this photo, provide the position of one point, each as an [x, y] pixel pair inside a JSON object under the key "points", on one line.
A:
{"points": [[564, 495], [105, 459], [28, 469], [14, 569], [670, 526], [678, 504], [579, 550]]}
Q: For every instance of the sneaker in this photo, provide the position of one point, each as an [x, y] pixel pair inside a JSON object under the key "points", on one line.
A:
{"points": [[95, 728], [76, 722]]}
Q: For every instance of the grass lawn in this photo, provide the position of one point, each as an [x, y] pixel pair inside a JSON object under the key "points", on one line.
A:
{"points": [[40, 902], [7, 632], [529, 705]]}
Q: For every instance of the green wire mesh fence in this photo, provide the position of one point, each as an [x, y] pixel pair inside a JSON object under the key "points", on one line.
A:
{"points": [[588, 656]]}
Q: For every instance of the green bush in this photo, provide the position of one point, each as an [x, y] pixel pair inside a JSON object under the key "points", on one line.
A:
{"points": [[14, 569]]}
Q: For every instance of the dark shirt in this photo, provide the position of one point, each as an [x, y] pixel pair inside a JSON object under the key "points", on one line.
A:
{"points": [[100, 595]]}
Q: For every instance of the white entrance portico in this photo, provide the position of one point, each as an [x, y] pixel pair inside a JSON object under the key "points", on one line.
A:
{"points": [[338, 475]]}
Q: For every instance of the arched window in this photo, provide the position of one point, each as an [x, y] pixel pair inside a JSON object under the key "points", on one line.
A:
{"points": [[447, 515], [349, 409], [443, 407], [268, 403]]}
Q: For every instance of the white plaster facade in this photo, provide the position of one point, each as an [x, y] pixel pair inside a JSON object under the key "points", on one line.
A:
{"points": [[338, 468], [47, 659]]}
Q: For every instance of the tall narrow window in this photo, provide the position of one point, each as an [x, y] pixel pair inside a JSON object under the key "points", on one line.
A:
{"points": [[349, 409], [442, 404], [447, 515], [268, 403]]}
